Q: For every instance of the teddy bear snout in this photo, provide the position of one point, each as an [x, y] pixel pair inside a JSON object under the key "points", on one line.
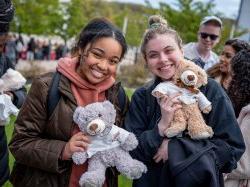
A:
{"points": [[93, 127], [190, 77]]}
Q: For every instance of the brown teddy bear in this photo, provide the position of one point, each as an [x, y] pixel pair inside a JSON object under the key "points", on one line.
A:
{"points": [[188, 78]]}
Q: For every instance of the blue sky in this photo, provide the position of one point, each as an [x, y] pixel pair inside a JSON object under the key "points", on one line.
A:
{"points": [[228, 7]]}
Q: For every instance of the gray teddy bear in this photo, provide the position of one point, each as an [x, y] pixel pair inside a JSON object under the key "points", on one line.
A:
{"points": [[109, 145]]}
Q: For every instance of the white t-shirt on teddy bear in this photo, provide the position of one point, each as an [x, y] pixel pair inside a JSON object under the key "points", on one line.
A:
{"points": [[187, 97], [113, 139]]}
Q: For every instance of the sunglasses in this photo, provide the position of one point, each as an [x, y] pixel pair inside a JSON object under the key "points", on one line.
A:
{"points": [[211, 36]]}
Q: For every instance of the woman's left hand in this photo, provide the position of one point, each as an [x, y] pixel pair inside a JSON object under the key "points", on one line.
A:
{"points": [[162, 153]]}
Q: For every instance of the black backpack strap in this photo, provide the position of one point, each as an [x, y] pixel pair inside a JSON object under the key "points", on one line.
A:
{"points": [[54, 94], [122, 99]]}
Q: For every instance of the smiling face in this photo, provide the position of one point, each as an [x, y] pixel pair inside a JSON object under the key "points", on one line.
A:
{"points": [[163, 56], [99, 60], [208, 36], [225, 58]]}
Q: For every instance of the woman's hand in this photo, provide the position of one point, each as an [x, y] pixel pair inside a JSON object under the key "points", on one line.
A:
{"points": [[168, 106], [77, 143], [162, 153]]}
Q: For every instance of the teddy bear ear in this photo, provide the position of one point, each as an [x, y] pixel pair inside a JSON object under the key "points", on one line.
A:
{"points": [[108, 105], [77, 114]]}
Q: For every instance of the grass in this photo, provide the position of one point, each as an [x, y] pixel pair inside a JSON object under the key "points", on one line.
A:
{"points": [[123, 181], [9, 129]]}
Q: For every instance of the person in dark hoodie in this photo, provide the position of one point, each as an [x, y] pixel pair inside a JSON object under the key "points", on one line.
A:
{"points": [[43, 142], [179, 161], [18, 96]]}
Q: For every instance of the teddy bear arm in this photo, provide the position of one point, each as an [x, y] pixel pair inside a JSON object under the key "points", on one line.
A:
{"points": [[130, 143], [204, 104]]}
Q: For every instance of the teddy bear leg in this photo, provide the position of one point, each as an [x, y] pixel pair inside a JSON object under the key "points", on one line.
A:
{"points": [[95, 175], [197, 127], [79, 157], [128, 166], [178, 125]]}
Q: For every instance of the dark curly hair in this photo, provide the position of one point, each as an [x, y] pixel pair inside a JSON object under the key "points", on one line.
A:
{"points": [[237, 45], [239, 88]]}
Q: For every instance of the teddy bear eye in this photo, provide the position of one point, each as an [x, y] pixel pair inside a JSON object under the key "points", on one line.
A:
{"points": [[99, 115]]}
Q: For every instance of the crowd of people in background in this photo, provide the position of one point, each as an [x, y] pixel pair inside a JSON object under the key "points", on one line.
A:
{"points": [[33, 48]]}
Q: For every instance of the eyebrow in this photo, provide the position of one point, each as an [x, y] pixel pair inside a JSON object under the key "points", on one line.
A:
{"points": [[167, 47], [103, 52]]}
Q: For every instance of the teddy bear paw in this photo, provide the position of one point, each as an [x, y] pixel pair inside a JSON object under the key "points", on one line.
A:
{"points": [[91, 179], [171, 132], [202, 135], [207, 109], [136, 170]]}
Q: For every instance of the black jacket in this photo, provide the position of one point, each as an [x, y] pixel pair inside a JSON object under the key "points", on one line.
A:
{"points": [[19, 96], [191, 163]]}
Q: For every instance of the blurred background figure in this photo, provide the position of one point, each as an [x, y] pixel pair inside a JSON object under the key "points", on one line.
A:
{"points": [[221, 71], [6, 15], [239, 93], [10, 48], [208, 36], [31, 49]]}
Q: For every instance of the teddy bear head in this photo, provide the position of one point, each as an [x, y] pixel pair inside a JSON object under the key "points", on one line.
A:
{"points": [[96, 118], [190, 74]]}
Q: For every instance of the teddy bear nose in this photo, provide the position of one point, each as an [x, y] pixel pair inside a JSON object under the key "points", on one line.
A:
{"points": [[93, 127], [190, 77]]}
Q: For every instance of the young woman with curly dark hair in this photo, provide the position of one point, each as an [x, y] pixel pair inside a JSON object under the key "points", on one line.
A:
{"points": [[239, 93], [221, 72]]}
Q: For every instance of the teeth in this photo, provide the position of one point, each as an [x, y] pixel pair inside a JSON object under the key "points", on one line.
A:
{"points": [[97, 73], [166, 67]]}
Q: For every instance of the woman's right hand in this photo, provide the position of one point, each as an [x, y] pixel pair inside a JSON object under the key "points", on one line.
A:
{"points": [[168, 104], [77, 143]]}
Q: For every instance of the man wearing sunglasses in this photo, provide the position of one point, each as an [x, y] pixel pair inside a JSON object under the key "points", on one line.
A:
{"points": [[208, 36]]}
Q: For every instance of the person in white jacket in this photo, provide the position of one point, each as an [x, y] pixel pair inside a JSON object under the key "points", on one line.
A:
{"points": [[239, 93]]}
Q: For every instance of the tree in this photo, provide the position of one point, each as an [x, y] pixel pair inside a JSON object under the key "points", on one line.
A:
{"points": [[36, 17], [186, 18]]}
